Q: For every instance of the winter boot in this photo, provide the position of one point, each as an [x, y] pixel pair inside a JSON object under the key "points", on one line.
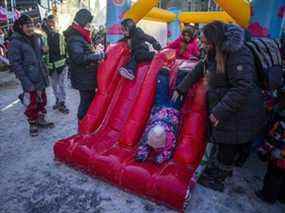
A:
{"points": [[214, 178], [56, 105], [43, 123], [62, 108], [34, 131], [142, 154], [126, 73]]}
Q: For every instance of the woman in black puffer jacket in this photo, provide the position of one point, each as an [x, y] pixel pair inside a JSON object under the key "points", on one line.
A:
{"points": [[236, 108]]}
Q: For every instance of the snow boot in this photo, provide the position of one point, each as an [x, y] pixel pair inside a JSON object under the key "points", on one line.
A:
{"points": [[214, 178], [43, 123], [34, 131], [62, 108], [142, 154], [126, 73]]}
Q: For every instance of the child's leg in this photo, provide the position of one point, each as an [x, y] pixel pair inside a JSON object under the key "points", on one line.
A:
{"points": [[272, 183], [144, 56], [162, 88]]}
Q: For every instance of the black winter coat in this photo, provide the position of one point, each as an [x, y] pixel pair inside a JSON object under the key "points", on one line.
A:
{"points": [[139, 39], [26, 58], [82, 66], [233, 97]]}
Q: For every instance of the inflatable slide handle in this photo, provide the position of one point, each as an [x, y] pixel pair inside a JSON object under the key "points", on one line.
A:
{"points": [[107, 78], [140, 113]]}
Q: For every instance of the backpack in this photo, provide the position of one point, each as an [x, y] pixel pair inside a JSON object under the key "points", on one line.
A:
{"points": [[268, 61]]}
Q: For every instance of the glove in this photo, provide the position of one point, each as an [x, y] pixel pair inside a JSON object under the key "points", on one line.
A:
{"points": [[96, 56], [157, 46]]}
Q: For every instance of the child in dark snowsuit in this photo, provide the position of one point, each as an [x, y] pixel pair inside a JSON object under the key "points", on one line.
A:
{"points": [[162, 128], [136, 39]]}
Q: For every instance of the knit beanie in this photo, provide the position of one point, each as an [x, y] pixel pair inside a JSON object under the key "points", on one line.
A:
{"points": [[25, 19], [83, 17]]}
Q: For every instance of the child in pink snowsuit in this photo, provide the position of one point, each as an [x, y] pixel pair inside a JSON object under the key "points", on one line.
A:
{"points": [[186, 45]]}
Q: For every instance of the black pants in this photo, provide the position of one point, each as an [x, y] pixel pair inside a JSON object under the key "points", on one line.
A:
{"points": [[233, 154], [139, 57], [274, 184], [86, 98]]}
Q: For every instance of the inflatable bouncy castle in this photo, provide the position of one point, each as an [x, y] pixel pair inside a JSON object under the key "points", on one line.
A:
{"points": [[109, 134]]}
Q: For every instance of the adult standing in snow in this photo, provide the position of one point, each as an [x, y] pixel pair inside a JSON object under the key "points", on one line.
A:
{"points": [[235, 102], [56, 59], [83, 59], [26, 58]]}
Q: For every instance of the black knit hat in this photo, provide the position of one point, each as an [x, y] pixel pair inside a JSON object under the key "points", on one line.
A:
{"points": [[25, 19], [50, 17], [83, 17]]}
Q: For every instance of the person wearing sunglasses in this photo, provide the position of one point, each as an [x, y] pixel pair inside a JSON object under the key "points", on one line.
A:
{"points": [[26, 58]]}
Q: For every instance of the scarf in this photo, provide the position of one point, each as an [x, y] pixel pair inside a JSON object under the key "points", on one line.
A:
{"points": [[86, 34]]}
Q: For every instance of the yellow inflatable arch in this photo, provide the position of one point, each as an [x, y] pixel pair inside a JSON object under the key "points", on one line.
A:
{"points": [[237, 11]]}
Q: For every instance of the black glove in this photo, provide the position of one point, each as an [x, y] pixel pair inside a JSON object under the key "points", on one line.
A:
{"points": [[157, 46]]}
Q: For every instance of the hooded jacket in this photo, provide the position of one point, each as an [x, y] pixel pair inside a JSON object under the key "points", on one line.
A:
{"points": [[26, 58], [192, 49], [233, 96]]}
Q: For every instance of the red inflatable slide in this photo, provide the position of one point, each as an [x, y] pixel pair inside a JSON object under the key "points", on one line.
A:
{"points": [[108, 135]]}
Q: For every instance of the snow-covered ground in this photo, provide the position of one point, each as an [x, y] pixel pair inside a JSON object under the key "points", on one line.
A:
{"points": [[32, 182]]}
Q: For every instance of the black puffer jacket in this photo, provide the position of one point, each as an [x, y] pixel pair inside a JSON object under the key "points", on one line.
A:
{"points": [[82, 61], [25, 55], [233, 97]]}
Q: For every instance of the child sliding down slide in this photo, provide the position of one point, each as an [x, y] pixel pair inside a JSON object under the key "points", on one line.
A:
{"points": [[140, 52], [162, 128]]}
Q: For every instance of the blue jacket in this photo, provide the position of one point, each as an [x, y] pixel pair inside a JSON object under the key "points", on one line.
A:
{"points": [[25, 55]]}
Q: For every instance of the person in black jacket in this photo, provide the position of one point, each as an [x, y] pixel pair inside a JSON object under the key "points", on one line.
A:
{"points": [[83, 59], [136, 39], [26, 56], [235, 102]]}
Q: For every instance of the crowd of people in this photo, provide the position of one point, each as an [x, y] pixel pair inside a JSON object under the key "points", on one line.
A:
{"points": [[235, 97]]}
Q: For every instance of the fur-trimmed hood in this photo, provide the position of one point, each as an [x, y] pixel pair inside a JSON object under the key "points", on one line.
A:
{"points": [[234, 38]]}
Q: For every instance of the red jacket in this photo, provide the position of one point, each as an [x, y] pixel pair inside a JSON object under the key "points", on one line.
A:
{"points": [[191, 51]]}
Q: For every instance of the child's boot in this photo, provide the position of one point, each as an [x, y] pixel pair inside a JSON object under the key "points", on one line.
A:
{"points": [[142, 154], [43, 123], [126, 73], [62, 108]]}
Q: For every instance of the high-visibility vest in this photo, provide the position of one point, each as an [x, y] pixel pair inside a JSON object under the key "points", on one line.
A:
{"points": [[61, 62]]}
